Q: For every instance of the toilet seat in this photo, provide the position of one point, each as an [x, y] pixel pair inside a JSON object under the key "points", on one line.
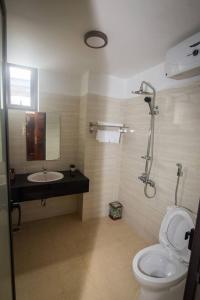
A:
{"points": [[157, 265], [164, 265], [154, 266]]}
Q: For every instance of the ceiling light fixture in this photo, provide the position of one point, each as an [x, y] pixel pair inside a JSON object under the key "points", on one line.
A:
{"points": [[95, 39]]}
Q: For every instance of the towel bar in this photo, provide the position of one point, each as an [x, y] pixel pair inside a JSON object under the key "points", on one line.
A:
{"points": [[93, 127]]}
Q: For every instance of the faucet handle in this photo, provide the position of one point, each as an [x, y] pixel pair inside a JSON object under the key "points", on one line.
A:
{"points": [[146, 157], [44, 170]]}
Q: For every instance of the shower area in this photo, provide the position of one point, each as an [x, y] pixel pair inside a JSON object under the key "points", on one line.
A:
{"points": [[149, 98], [166, 133]]}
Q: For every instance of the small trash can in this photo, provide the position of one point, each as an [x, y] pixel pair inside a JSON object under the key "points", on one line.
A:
{"points": [[115, 210]]}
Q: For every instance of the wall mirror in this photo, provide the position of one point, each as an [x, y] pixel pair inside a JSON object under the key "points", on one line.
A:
{"points": [[42, 136]]}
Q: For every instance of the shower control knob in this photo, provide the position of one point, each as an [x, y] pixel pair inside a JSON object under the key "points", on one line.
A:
{"points": [[155, 110], [195, 52]]}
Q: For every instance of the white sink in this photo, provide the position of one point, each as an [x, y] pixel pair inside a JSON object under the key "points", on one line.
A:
{"points": [[45, 176]]}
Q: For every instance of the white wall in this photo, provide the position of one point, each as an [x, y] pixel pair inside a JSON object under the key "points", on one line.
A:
{"points": [[120, 88], [59, 83], [106, 85], [156, 76]]}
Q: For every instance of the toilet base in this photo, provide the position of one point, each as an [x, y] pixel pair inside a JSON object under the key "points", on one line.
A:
{"points": [[174, 293]]}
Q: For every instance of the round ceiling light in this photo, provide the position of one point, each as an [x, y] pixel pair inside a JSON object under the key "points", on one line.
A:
{"points": [[95, 39]]}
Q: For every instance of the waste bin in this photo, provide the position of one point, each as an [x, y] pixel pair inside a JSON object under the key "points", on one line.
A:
{"points": [[115, 210]]}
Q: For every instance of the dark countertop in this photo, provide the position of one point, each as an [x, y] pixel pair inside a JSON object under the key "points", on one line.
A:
{"points": [[24, 190], [22, 181]]}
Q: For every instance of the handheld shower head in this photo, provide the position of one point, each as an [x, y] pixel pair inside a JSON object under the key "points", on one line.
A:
{"points": [[148, 100], [179, 165], [179, 172]]}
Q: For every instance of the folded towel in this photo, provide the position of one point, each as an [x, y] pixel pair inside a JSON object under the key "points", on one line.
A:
{"points": [[102, 136], [114, 137], [108, 136]]}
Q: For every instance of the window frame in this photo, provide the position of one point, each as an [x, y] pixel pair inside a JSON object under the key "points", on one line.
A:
{"points": [[33, 92]]}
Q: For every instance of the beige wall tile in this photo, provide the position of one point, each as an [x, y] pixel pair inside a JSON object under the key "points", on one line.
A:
{"points": [[101, 160], [177, 139], [68, 109], [113, 170]]}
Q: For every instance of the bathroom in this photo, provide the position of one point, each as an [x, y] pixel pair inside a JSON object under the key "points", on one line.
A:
{"points": [[91, 101]]}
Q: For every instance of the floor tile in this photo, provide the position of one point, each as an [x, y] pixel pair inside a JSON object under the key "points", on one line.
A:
{"points": [[62, 258]]}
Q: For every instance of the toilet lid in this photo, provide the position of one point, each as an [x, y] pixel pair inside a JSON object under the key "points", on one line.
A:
{"points": [[175, 224]]}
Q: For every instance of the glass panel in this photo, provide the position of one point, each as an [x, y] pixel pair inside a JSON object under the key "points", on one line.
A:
{"points": [[20, 86], [5, 252]]}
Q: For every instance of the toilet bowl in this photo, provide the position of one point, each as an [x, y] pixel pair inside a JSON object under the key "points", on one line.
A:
{"points": [[161, 269]]}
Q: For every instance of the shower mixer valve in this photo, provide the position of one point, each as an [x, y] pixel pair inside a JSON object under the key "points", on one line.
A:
{"points": [[156, 110], [146, 157], [144, 179]]}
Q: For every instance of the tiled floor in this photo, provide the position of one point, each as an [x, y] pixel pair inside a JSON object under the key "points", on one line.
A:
{"points": [[62, 258]]}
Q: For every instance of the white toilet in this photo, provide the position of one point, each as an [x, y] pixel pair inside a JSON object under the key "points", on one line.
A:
{"points": [[161, 269]]}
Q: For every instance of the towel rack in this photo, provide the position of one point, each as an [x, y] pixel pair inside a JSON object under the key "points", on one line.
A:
{"points": [[93, 127]]}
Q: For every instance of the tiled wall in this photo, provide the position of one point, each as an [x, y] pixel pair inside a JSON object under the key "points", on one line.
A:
{"points": [[82, 132], [101, 161], [113, 169], [177, 139], [68, 108]]}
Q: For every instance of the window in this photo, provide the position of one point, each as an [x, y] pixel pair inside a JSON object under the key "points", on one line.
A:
{"points": [[22, 87]]}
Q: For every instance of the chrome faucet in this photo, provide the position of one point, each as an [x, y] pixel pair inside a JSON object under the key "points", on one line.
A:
{"points": [[44, 170]]}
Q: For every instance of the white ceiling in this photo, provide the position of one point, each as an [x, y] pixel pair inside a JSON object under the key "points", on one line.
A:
{"points": [[49, 34]]}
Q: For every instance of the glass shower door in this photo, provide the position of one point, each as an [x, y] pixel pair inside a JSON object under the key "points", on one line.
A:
{"points": [[6, 273]]}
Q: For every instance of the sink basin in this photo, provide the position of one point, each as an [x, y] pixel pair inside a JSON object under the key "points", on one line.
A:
{"points": [[45, 176]]}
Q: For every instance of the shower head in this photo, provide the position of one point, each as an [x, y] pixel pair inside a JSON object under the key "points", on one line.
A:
{"points": [[142, 92]]}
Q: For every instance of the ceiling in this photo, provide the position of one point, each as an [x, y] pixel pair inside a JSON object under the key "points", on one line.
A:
{"points": [[49, 34]]}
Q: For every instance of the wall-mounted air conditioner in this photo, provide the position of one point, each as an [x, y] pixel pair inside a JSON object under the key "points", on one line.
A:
{"points": [[183, 60]]}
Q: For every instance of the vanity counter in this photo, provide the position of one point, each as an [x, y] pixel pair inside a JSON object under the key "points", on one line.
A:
{"points": [[23, 190]]}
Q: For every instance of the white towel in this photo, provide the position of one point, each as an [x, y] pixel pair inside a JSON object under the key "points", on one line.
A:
{"points": [[108, 136], [102, 136], [114, 136]]}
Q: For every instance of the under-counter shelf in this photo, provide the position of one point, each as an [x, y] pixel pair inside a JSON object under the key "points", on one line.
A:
{"points": [[23, 190]]}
